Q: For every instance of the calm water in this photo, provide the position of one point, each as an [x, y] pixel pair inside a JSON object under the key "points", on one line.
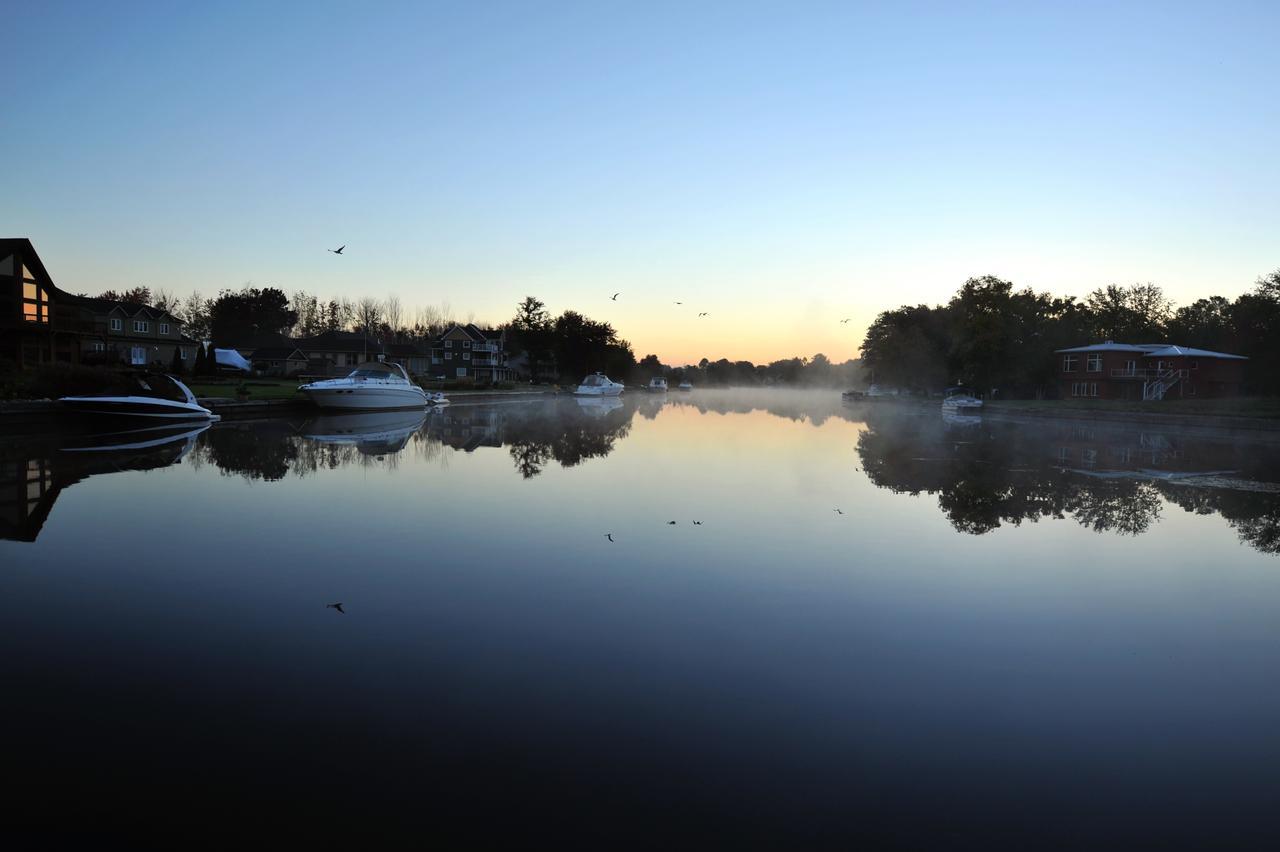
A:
{"points": [[1046, 633]]}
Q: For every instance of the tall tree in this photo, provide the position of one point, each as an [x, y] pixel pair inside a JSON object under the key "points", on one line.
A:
{"points": [[237, 316]]}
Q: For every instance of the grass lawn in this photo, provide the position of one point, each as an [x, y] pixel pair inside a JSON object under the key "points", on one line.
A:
{"points": [[258, 388], [1240, 407]]}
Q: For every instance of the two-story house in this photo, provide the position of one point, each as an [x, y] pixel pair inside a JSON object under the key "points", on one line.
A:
{"points": [[38, 322], [470, 352], [1150, 371], [133, 334]]}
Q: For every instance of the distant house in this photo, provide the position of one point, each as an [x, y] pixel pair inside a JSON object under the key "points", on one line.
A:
{"points": [[414, 357], [336, 351], [41, 323], [284, 360], [1150, 371], [470, 352]]}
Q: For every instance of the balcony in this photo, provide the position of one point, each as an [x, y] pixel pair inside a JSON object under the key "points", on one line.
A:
{"points": [[484, 347], [1136, 373]]}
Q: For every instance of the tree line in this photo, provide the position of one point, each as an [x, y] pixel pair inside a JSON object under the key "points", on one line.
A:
{"points": [[993, 336]]}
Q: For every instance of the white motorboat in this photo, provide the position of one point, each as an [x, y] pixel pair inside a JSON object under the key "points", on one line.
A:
{"points": [[961, 401], [598, 384], [684, 386], [371, 386], [160, 396], [657, 385]]}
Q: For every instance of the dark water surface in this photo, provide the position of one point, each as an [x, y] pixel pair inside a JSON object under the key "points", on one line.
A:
{"points": [[1030, 634]]}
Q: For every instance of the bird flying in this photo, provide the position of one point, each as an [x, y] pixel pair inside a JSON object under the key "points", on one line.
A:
{"points": [[697, 523], [845, 320], [669, 523], [679, 303], [339, 249], [609, 536], [703, 314], [615, 296], [336, 606], [838, 512]]}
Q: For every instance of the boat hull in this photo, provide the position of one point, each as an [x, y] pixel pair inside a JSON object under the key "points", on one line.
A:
{"points": [[137, 406], [367, 399]]}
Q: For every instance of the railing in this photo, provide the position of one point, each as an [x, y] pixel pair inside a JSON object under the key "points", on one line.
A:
{"points": [[1135, 373], [484, 347], [485, 362], [1158, 387]]}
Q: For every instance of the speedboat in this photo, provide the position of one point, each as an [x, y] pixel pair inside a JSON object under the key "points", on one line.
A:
{"points": [[961, 401], [657, 385], [159, 396], [684, 386], [369, 387], [598, 385]]}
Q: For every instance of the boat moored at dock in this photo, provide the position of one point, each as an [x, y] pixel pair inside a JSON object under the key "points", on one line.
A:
{"points": [[371, 386], [598, 384], [158, 397]]}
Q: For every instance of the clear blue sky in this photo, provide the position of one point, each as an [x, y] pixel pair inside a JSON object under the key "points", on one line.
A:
{"points": [[780, 165]]}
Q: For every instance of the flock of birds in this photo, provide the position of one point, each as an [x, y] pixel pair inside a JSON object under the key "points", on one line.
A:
{"points": [[613, 298]]}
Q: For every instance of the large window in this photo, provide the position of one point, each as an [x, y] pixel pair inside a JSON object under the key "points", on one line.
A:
{"points": [[1070, 363], [164, 328], [141, 326], [462, 371], [1094, 363], [35, 299], [117, 324], [138, 355]]}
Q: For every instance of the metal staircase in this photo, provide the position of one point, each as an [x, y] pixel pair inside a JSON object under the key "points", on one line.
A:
{"points": [[1156, 387]]}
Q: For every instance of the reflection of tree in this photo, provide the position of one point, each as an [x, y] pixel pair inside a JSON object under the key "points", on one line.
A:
{"points": [[565, 432], [1000, 473], [253, 450]]}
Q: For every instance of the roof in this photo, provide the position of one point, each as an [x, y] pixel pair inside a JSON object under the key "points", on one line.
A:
{"points": [[278, 353], [1154, 350], [340, 341], [474, 331], [1187, 351]]}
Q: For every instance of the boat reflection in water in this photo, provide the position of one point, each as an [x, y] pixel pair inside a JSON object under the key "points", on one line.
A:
{"points": [[34, 470], [373, 433]]}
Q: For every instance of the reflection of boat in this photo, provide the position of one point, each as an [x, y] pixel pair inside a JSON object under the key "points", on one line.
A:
{"points": [[961, 401], [960, 419], [137, 439], [600, 405], [684, 386], [598, 385], [657, 385], [154, 400], [371, 386], [386, 431]]}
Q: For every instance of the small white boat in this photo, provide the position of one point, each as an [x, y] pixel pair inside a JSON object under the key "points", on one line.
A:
{"points": [[371, 386], [684, 386], [960, 401], [156, 401], [598, 385], [657, 385]]}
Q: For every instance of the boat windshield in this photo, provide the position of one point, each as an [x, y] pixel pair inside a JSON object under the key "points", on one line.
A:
{"points": [[593, 381], [378, 371]]}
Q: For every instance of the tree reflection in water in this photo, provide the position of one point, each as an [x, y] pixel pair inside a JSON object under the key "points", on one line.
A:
{"points": [[1109, 478]]}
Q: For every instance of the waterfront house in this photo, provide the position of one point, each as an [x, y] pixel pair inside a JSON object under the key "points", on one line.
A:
{"points": [[414, 357], [40, 323], [339, 351], [470, 352], [281, 360], [1150, 371]]}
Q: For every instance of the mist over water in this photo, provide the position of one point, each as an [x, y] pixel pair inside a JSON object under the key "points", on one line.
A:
{"points": [[1054, 631]]}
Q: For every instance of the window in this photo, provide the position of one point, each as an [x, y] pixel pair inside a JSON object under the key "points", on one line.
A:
{"points": [[1070, 363], [164, 328], [141, 326], [1093, 388], [138, 355], [182, 353], [1094, 363], [1064, 454], [1089, 457], [35, 299], [117, 324], [466, 344], [448, 344], [435, 359], [1131, 367], [448, 356], [1084, 388], [462, 371], [1193, 364], [466, 356], [1189, 389], [99, 346]]}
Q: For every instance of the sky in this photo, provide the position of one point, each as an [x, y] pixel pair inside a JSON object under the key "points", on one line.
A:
{"points": [[780, 166]]}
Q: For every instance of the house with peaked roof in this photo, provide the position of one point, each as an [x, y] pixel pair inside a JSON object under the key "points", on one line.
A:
{"points": [[470, 352], [40, 322], [283, 360], [1150, 371], [339, 351]]}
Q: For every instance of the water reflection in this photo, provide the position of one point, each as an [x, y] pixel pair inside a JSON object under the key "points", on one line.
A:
{"points": [[34, 469]]}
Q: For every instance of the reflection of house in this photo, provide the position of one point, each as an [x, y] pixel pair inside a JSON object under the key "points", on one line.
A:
{"points": [[1149, 371], [467, 430], [469, 352], [27, 494], [40, 323]]}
